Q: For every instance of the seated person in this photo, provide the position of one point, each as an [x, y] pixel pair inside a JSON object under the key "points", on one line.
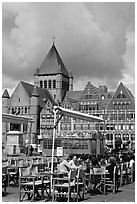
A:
{"points": [[103, 161], [64, 166], [72, 163], [110, 168], [95, 163], [131, 162]]}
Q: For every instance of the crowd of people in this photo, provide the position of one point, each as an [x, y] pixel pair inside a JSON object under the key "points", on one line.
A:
{"points": [[87, 161]]}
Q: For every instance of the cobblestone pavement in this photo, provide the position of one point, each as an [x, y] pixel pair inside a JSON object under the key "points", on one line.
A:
{"points": [[126, 194]]}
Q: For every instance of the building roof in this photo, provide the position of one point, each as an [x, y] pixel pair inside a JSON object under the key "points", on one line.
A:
{"points": [[5, 94], [75, 95], [52, 63], [42, 93], [129, 92]]}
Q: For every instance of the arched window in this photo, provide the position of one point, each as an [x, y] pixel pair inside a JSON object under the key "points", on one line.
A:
{"points": [[41, 84], [54, 84], [102, 97], [45, 84], [49, 84]]}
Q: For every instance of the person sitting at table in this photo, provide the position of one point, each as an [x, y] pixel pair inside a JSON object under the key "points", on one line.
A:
{"points": [[72, 163], [103, 161], [110, 168], [95, 162], [64, 166], [132, 161]]}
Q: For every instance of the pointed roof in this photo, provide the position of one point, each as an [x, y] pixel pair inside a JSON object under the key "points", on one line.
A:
{"points": [[42, 93], [129, 92], [5, 94], [122, 94], [52, 63]]}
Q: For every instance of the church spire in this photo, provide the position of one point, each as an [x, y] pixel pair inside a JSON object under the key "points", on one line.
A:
{"points": [[53, 40]]}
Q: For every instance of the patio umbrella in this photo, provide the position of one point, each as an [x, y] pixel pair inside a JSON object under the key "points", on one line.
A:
{"points": [[70, 113]]}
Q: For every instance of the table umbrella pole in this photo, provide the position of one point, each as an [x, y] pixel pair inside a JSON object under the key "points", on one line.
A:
{"points": [[53, 143]]}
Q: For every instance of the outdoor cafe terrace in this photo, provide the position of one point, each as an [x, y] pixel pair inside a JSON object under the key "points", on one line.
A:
{"points": [[33, 180]]}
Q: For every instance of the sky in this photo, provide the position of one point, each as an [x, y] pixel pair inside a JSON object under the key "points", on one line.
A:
{"points": [[96, 41]]}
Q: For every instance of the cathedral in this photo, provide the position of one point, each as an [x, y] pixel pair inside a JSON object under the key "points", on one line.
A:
{"points": [[53, 84]]}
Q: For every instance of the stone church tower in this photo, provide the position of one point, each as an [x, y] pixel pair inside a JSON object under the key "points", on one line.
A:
{"points": [[53, 75]]}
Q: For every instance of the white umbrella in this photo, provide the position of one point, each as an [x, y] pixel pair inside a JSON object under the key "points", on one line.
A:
{"points": [[70, 113]]}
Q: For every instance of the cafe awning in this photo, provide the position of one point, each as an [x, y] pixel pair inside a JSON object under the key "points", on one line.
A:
{"points": [[77, 114]]}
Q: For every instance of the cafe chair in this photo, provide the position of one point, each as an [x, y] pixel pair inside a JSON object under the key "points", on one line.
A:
{"points": [[13, 162], [64, 188], [20, 162], [30, 184], [46, 181], [35, 160], [99, 179], [112, 183], [5, 163], [130, 172], [41, 168], [13, 175], [80, 183], [4, 180], [119, 174], [123, 179]]}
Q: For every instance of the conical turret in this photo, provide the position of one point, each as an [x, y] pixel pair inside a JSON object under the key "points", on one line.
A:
{"points": [[5, 101], [5, 94]]}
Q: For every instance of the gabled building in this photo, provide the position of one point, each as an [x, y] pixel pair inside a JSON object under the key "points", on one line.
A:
{"points": [[120, 118], [27, 100]]}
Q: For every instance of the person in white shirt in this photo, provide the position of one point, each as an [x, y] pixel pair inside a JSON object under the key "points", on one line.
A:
{"points": [[72, 163], [131, 163], [64, 166]]}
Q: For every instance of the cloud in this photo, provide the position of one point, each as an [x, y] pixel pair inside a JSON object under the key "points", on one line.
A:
{"points": [[129, 61], [90, 37]]}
